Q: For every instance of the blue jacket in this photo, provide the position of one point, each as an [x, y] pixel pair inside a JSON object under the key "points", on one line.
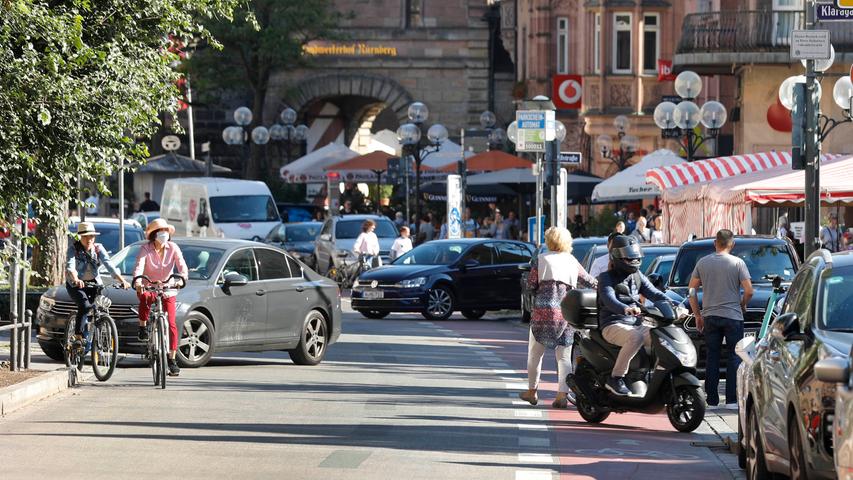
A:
{"points": [[79, 260], [610, 309]]}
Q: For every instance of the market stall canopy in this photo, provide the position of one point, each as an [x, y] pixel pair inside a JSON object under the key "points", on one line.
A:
{"points": [[688, 173], [309, 169], [490, 161], [365, 167], [630, 184], [174, 163]]}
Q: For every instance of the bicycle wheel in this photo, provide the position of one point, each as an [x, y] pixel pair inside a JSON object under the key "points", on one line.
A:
{"points": [[69, 352], [104, 348], [162, 348], [154, 351]]}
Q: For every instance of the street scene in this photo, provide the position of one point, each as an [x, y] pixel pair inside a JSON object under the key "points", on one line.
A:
{"points": [[522, 239]]}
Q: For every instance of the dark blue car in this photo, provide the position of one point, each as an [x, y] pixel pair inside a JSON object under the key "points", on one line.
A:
{"points": [[443, 276]]}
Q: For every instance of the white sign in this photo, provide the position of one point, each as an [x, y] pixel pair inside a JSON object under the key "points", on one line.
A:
{"points": [[170, 143], [798, 229], [454, 206], [563, 199], [810, 45], [535, 127]]}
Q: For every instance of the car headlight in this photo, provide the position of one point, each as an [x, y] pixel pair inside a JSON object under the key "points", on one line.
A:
{"points": [[688, 358], [46, 303], [413, 282]]}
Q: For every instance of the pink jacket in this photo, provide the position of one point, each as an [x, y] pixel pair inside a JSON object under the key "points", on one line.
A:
{"points": [[148, 262]]}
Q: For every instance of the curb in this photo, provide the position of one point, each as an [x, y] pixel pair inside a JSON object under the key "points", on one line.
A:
{"points": [[19, 395]]}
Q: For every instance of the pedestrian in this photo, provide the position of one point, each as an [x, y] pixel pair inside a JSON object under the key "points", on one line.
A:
{"points": [[601, 264], [319, 216], [631, 222], [469, 225], [499, 228], [830, 235], [721, 276], [347, 209], [148, 205], [366, 246], [554, 274], [657, 233], [402, 244], [442, 229], [641, 233], [425, 231], [578, 227], [622, 213], [620, 227], [486, 228], [511, 223], [398, 220], [783, 227]]}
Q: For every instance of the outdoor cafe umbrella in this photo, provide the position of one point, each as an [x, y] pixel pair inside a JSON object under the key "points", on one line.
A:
{"points": [[368, 166], [490, 161], [580, 183]]}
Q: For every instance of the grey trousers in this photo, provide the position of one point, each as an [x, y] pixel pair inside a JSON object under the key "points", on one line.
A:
{"points": [[631, 339], [535, 352]]}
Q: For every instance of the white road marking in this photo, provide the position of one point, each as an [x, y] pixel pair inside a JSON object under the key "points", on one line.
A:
{"points": [[528, 413], [511, 379], [505, 372], [532, 426], [515, 386], [532, 475], [520, 402], [535, 458]]}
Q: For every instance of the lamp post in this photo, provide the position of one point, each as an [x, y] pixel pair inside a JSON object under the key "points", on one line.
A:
{"points": [[678, 121], [627, 144], [286, 135], [417, 145], [260, 135], [495, 137]]}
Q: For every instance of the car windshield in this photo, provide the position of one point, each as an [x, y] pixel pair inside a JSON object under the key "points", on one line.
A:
{"points": [[663, 268], [109, 237], [301, 233], [432, 254], [243, 208], [835, 302], [580, 249], [761, 261], [649, 255], [201, 260], [352, 228]]}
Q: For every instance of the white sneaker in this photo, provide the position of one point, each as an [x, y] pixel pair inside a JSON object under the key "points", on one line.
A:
{"points": [[731, 406]]}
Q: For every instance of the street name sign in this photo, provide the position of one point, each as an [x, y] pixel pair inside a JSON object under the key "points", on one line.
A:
{"points": [[571, 158], [534, 127], [839, 11], [810, 45]]}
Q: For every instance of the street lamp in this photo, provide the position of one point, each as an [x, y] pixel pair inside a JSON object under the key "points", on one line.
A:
{"points": [[260, 135], [417, 145], [627, 144], [286, 135], [678, 120]]}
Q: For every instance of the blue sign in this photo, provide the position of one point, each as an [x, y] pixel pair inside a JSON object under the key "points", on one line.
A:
{"points": [[829, 12], [531, 230], [455, 223], [531, 120], [573, 158]]}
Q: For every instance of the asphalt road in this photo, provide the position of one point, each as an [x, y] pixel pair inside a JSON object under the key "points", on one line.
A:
{"points": [[399, 398]]}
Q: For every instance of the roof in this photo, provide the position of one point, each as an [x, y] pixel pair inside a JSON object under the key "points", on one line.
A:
{"points": [[842, 259], [471, 241], [742, 239], [361, 216], [213, 180], [224, 243], [288, 224], [174, 163]]}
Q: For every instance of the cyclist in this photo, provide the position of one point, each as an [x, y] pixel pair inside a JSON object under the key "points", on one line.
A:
{"points": [[84, 259], [157, 259]]}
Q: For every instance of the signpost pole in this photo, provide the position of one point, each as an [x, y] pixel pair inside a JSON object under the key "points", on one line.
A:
{"points": [[812, 174], [539, 199], [554, 175]]}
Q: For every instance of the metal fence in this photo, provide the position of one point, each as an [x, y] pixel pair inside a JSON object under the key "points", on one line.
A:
{"points": [[20, 319], [752, 31]]}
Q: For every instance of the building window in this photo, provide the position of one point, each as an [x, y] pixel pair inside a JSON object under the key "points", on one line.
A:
{"points": [[651, 43], [596, 44], [562, 45], [622, 43]]}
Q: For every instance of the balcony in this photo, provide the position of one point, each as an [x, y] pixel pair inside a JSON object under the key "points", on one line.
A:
{"points": [[714, 42]]}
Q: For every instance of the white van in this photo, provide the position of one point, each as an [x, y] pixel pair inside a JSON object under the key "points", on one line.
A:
{"points": [[219, 207]]}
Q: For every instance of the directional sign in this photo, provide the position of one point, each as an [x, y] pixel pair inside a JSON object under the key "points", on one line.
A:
{"points": [[810, 44], [572, 158], [534, 129], [842, 11]]}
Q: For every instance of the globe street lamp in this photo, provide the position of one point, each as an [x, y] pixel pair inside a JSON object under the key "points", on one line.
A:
{"points": [[627, 144], [286, 135], [419, 146], [677, 121], [260, 135]]}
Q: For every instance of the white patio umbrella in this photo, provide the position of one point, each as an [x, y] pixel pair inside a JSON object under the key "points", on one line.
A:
{"points": [[630, 184]]}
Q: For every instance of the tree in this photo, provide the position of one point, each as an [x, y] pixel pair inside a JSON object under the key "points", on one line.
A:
{"points": [[80, 82], [266, 36]]}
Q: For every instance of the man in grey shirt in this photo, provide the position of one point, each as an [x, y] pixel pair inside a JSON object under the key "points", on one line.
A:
{"points": [[721, 277]]}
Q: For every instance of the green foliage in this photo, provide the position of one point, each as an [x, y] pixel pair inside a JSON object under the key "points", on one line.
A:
{"points": [[602, 223]]}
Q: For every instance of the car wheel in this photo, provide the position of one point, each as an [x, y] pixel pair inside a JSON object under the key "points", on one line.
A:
{"points": [[756, 469], [473, 314], [373, 314], [196, 344], [53, 351], [313, 342], [796, 456], [439, 303]]}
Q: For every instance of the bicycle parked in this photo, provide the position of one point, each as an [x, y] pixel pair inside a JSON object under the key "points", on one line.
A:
{"points": [[345, 274], [100, 337], [158, 326]]}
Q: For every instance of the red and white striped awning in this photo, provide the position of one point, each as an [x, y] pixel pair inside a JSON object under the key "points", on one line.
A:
{"points": [[700, 171]]}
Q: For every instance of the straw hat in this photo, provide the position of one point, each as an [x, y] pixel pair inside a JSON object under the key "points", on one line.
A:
{"points": [[158, 224], [85, 229]]}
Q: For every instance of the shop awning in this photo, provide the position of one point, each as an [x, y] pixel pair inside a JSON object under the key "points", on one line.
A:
{"points": [[365, 167], [687, 173], [490, 161], [309, 168], [630, 184]]}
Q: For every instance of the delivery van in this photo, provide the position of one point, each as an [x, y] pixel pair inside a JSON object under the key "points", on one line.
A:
{"points": [[219, 207]]}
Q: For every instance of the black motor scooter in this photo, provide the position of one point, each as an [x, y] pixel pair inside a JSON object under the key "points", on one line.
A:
{"points": [[664, 379]]}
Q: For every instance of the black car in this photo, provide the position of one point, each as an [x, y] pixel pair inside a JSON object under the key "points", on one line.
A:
{"points": [[297, 238], [443, 276], [581, 246], [650, 253], [765, 257], [789, 412]]}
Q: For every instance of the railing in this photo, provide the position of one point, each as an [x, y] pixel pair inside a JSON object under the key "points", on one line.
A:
{"points": [[751, 31]]}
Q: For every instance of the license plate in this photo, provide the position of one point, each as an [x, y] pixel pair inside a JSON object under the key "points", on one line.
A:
{"points": [[373, 294], [749, 334]]}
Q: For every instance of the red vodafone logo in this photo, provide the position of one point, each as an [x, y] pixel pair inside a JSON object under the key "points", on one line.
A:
{"points": [[568, 92]]}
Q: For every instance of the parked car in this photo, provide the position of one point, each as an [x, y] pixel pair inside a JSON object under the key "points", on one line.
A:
{"points": [[837, 370], [109, 231], [580, 246], [143, 218], [241, 296], [650, 253], [661, 266], [297, 239], [789, 411], [765, 257], [443, 276], [338, 237], [298, 212]]}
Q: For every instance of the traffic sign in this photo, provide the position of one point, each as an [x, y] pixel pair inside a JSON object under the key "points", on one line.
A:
{"points": [[841, 11], [531, 230], [534, 129], [572, 158], [170, 143], [810, 45]]}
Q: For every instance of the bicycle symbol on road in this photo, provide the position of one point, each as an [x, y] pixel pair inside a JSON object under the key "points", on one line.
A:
{"points": [[612, 452]]}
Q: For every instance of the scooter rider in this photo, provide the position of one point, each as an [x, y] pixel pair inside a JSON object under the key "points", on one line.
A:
{"points": [[619, 322]]}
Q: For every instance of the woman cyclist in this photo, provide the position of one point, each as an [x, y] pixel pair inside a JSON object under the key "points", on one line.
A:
{"points": [[84, 260], [157, 259]]}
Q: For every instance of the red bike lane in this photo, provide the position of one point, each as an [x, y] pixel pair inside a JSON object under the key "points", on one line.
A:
{"points": [[628, 445]]}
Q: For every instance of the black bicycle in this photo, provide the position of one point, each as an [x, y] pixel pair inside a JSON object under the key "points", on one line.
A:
{"points": [[345, 274], [100, 337], [157, 326]]}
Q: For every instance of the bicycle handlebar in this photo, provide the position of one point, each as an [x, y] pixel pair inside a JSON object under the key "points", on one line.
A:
{"points": [[157, 286]]}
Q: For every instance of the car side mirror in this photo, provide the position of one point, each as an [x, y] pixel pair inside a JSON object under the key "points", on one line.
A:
{"points": [[234, 279], [326, 237], [658, 281], [833, 370], [468, 263]]}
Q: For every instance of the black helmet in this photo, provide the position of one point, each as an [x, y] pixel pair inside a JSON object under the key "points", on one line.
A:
{"points": [[625, 254]]}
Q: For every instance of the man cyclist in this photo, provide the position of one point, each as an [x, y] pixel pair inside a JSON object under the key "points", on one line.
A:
{"points": [[619, 322], [157, 259]]}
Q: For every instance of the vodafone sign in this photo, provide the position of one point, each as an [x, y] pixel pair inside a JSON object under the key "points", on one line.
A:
{"points": [[568, 92]]}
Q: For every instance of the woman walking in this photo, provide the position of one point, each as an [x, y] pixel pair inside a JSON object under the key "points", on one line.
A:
{"points": [[553, 275], [366, 246]]}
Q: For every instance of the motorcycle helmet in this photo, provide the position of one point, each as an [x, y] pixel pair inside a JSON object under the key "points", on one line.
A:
{"points": [[625, 254]]}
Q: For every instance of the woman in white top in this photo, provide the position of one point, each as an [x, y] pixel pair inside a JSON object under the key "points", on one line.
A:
{"points": [[657, 233], [367, 244], [402, 244], [641, 233], [554, 274]]}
